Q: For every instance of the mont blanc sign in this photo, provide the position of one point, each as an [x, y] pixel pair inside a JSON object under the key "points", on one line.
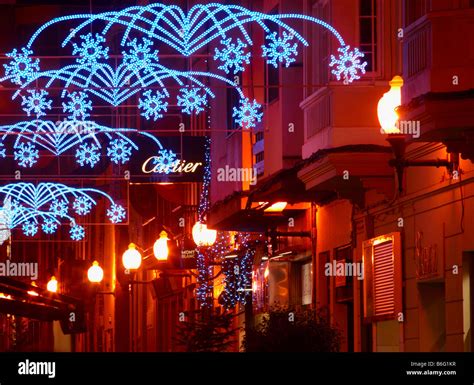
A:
{"points": [[182, 159]]}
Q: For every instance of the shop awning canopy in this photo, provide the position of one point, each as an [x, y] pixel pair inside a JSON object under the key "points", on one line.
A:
{"points": [[26, 300]]}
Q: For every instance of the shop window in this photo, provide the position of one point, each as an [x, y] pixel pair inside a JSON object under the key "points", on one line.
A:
{"points": [[382, 277]]}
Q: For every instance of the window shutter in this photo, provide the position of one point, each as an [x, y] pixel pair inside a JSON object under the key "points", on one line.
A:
{"points": [[384, 285], [383, 277]]}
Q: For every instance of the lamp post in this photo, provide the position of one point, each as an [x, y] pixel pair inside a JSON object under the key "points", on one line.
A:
{"points": [[95, 273], [132, 261], [160, 248], [203, 236], [390, 125], [52, 285]]}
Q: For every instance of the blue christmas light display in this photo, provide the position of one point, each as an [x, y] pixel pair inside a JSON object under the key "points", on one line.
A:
{"points": [[348, 64], [26, 154], [91, 49], [140, 56], [77, 232], [36, 103], [78, 106], [119, 151], [88, 154], [116, 213], [49, 226], [22, 67], [165, 161], [191, 100], [152, 105], [82, 205], [47, 204], [248, 115], [57, 138], [280, 49], [30, 228], [205, 286], [238, 276], [140, 68], [232, 55]]}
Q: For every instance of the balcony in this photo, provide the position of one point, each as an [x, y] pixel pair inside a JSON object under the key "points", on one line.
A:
{"points": [[439, 87]]}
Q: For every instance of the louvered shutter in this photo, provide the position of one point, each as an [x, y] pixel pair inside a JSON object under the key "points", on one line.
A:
{"points": [[383, 280]]}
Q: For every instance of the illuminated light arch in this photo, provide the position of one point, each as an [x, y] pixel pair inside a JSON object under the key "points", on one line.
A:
{"points": [[67, 135], [140, 69], [48, 205]]}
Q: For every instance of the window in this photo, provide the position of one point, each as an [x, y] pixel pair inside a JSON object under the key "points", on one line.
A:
{"points": [[272, 74], [320, 47], [414, 10], [233, 100], [258, 136], [368, 33], [382, 277], [259, 157]]}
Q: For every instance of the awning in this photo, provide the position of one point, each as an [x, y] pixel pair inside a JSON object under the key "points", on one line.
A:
{"points": [[26, 300]]}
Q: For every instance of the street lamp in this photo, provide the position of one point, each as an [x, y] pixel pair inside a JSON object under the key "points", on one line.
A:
{"points": [[95, 273], [131, 258], [202, 235], [52, 285], [386, 108], [160, 248]]}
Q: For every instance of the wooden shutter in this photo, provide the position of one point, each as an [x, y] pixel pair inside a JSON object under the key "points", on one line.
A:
{"points": [[382, 277]]}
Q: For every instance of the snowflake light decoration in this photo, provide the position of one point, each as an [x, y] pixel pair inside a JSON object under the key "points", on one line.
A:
{"points": [[59, 207], [140, 56], [116, 213], [47, 203], [59, 137], [22, 67], [152, 104], [87, 154], [280, 49], [3, 153], [248, 115], [78, 106], [77, 232], [26, 154], [91, 49], [165, 161], [30, 228], [191, 101], [82, 205], [49, 226], [119, 151], [232, 55], [348, 64], [36, 103]]}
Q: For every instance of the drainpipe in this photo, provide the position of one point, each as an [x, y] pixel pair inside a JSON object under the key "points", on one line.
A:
{"points": [[314, 246]]}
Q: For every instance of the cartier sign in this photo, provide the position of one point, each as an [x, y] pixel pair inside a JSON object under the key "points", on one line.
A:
{"points": [[182, 159]]}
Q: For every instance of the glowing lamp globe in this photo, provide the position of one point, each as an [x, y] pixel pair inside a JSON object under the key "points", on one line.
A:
{"points": [[95, 273], [52, 285], [160, 248], [202, 235], [387, 115], [131, 258]]}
